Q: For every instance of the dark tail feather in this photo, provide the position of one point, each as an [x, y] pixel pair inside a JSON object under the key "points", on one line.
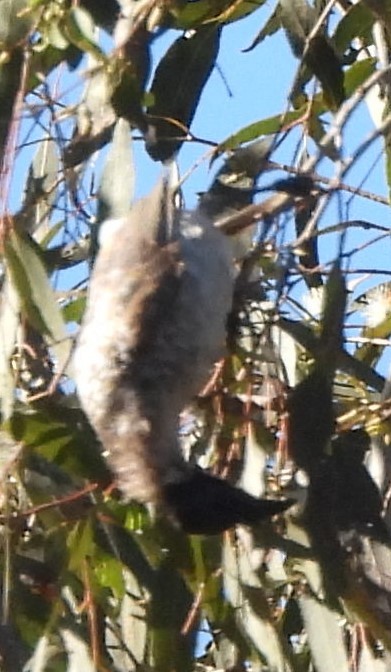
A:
{"points": [[203, 504]]}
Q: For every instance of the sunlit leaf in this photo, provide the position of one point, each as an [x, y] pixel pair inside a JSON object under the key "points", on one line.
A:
{"points": [[15, 22], [358, 73], [258, 128], [116, 186], [36, 294], [357, 22], [79, 29], [322, 627]]}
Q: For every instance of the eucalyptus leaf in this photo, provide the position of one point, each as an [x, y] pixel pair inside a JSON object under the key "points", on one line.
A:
{"points": [[257, 129], [15, 22], [116, 188], [40, 192], [38, 302], [9, 322], [322, 628], [177, 87]]}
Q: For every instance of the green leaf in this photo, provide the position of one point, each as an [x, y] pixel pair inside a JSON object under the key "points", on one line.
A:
{"points": [[129, 646], [177, 87], [193, 14], [116, 188], [39, 431], [40, 192], [108, 572], [79, 28], [9, 321], [10, 75], [78, 651], [258, 128], [357, 22], [369, 352], [244, 591], [170, 604], [272, 25], [358, 73], [298, 18], [36, 296], [331, 338], [326, 66], [15, 22], [74, 310], [80, 542], [55, 35]]}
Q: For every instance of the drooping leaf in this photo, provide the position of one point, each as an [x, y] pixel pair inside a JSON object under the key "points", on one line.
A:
{"points": [[298, 19], [171, 601], [177, 87], [357, 22], [116, 187], [40, 193], [9, 321], [326, 66], [10, 79], [129, 645], [15, 22], [36, 295], [96, 120], [272, 25], [310, 432], [79, 28], [322, 627], [331, 338], [252, 612], [346, 362]]}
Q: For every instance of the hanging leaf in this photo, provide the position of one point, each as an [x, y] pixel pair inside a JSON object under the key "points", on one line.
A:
{"points": [[326, 66], [9, 323], [357, 22], [176, 89], [322, 627], [10, 74], [272, 25], [116, 188], [331, 338], [298, 19], [79, 28], [15, 22], [252, 612], [38, 303], [40, 193]]}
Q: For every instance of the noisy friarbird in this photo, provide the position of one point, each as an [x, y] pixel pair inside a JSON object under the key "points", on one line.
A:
{"points": [[159, 296]]}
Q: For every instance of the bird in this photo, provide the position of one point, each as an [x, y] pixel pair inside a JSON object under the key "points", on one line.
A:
{"points": [[155, 323]]}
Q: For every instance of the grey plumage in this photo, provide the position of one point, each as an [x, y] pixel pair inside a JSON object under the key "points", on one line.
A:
{"points": [[155, 323], [159, 296]]}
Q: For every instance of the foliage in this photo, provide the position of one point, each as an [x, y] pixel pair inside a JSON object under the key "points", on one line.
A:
{"points": [[92, 583]]}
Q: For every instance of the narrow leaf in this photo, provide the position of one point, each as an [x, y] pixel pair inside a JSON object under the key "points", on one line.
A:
{"points": [[38, 302], [258, 128], [116, 187], [322, 628], [177, 87]]}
